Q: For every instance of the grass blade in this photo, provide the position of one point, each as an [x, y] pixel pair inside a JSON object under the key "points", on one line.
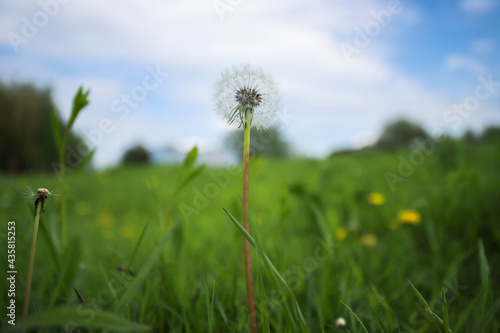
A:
{"points": [[139, 241], [210, 307], [270, 266], [356, 316], [485, 279], [133, 289], [446, 318], [379, 320], [426, 306], [86, 160], [245, 233], [68, 271], [56, 129], [485, 321], [263, 309], [78, 317]]}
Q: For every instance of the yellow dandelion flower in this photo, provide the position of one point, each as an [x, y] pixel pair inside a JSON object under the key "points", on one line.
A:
{"points": [[127, 230], [409, 216], [82, 208], [369, 240], [341, 233], [376, 199], [106, 219]]}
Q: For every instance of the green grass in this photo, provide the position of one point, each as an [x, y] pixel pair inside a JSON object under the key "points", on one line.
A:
{"points": [[188, 275]]}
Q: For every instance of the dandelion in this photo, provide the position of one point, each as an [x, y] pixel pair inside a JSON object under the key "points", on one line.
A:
{"points": [[250, 97], [376, 199], [41, 195], [340, 323], [369, 240], [244, 90], [409, 216], [341, 233]]}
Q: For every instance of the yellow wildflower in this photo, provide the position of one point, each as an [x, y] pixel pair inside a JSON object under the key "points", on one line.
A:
{"points": [[409, 216], [376, 199], [369, 240], [127, 230], [106, 219], [82, 208], [341, 233]]}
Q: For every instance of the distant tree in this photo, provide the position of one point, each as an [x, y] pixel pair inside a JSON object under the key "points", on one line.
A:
{"points": [[400, 133], [491, 134], [264, 142], [27, 142], [470, 137], [138, 154]]}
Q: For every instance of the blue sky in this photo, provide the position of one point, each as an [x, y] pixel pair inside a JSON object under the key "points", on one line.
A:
{"points": [[417, 59]]}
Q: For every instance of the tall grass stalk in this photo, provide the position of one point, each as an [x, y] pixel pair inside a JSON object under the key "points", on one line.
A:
{"points": [[32, 259], [79, 102]]}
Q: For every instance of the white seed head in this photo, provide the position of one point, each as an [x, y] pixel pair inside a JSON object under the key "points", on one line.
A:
{"points": [[242, 88], [30, 194], [340, 322]]}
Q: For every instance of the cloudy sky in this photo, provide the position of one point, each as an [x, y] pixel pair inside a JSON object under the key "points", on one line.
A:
{"points": [[346, 68]]}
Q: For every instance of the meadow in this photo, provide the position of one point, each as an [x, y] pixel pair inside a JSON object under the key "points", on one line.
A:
{"points": [[151, 248]]}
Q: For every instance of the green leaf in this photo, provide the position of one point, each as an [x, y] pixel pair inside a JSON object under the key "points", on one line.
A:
{"points": [[56, 129], [78, 317], [242, 230], [485, 321], [446, 318], [356, 316], [210, 305], [68, 271], [421, 299], [426, 306], [270, 266], [79, 102], [182, 183], [134, 287], [379, 320], [485, 268], [44, 232], [263, 309], [320, 221], [188, 162], [485, 278], [85, 161], [139, 241]]}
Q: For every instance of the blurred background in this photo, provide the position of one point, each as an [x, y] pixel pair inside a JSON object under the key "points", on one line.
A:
{"points": [[347, 70]]}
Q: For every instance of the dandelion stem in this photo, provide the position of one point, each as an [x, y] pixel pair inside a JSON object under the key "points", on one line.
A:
{"points": [[246, 244], [32, 259]]}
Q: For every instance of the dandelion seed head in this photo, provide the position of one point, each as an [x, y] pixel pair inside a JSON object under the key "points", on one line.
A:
{"points": [[29, 194], [340, 323], [244, 88]]}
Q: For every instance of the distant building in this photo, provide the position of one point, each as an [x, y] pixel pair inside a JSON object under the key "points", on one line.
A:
{"points": [[172, 156]]}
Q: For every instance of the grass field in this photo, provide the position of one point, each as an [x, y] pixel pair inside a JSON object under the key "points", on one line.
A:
{"points": [[338, 233]]}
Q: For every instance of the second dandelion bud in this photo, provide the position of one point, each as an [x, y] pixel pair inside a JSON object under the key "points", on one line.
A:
{"points": [[243, 90]]}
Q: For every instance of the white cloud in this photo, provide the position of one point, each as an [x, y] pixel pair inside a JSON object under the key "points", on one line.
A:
{"points": [[482, 45], [334, 101], [478, 6], [458, 61]]}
